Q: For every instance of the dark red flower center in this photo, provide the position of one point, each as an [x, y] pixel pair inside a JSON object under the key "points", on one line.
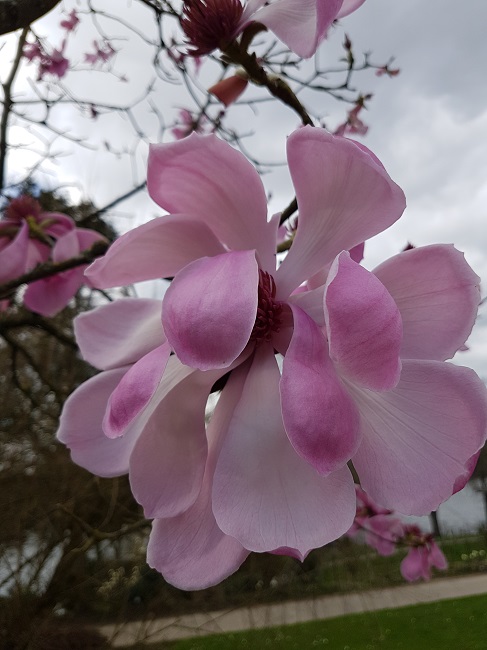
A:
{"points": [[269, 312], [210, 24]]}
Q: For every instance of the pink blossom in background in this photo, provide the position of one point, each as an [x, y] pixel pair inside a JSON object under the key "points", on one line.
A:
{"points": [[380, 527], [353, 124], [187, 124], [33, 51], [26, 236], [29, 237], [386, 70], [55, 63], [71, 22], [49, 295], [103, 52], [363, 375], [384, 532], [424, 554], [300, 24]]}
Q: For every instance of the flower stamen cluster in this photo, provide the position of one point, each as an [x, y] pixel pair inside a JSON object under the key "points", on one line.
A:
{"points": [[210, 24], [269, 312]]}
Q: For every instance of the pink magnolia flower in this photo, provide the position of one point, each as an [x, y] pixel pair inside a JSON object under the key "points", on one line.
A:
{"points": [[33, 51], [353, 123], [386, 70], [424, 553], [381, 528], [187, 124], [103, 53], [56, 63], [49, 295], [26, 236], [300, 24], [71, 22], [363, 376]]}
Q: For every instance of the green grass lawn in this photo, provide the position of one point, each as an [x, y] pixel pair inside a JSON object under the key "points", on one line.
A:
{"points": [[459, 624]]}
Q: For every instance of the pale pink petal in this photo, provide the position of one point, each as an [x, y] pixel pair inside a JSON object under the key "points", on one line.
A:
{"points": [[462, 480], [190, 550], [65, 247], [168, 462], [418, 438], [348, 6], [157, 249], [120, 332], [311, 302], [55, 223], [49, 296], [382, 532], [363, 325], [437, 294], [13, 256], [80, 427], [319, 415], [264, 494], [204, 177], [87, 237], [135, 391], [300, 25], [210, 308], [344, 197], [436, 557], [415, 565]]}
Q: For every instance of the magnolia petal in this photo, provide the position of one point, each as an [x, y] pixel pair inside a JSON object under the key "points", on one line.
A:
{"points": [[49, 296], [264, 494], [87, 237], [157, 249], [190, 550], [363, 324], [415, 565], [300, 25], [210, 308], [135, 391], [206, 178], [80, 427], [65, 247], [168, 461], [311, 302], [418, 438], [120, 332], [462, 480], [344, 197], [57, 224], [13, 256], [319, 415], [437, 294]]}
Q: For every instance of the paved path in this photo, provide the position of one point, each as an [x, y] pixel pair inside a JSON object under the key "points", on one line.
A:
{"points": [[261, 616]]}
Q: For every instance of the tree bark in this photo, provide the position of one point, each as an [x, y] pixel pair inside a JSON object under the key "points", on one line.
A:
{"points": [[17, 14]]}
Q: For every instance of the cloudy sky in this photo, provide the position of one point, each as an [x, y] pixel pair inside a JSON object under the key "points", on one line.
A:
{"points": [[428, 125]]}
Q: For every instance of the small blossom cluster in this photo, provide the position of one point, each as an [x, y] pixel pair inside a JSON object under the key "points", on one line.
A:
{"points": [[385, 532], [28, 237], [55, 63]]}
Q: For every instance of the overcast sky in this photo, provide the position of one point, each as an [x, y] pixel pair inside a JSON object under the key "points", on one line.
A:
{"points": [[428, 125]]}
